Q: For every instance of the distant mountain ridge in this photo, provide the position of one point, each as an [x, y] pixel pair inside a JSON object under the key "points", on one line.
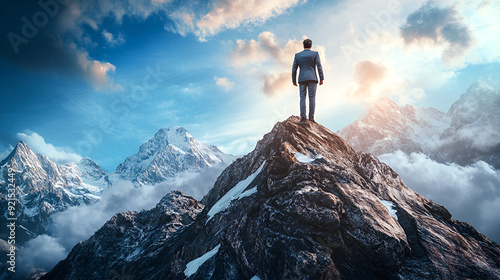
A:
{"points": [[387, 127], [468, 132], [171, 151], [44, 187]]}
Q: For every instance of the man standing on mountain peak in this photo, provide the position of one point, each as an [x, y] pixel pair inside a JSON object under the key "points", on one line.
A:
{"points": [[307, 60]]}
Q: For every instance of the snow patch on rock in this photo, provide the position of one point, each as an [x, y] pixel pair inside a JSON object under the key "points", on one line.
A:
{"points": [[305, 159], [235, 193], [390, 206], [193, 265]]}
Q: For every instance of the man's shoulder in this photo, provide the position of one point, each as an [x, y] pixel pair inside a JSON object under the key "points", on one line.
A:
{"points": [[307, 52]]}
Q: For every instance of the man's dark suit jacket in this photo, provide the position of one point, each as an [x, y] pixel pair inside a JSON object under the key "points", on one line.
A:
{"points": [[307, 60]]}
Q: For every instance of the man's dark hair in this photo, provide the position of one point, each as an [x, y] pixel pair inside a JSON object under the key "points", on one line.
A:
{"points": [[307, 43]]}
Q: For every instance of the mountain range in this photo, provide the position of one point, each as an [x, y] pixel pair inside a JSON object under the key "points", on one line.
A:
{"points": [[45, 188], [302, 205], [468, 132]]}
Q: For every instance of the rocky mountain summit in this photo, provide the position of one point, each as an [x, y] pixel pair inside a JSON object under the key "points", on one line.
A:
{"points": [[171, 151], [302, 205], [468, 132]]}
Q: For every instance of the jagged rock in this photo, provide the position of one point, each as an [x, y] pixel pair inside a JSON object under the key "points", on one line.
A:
{"points": [[305, 205], [126, 238]]}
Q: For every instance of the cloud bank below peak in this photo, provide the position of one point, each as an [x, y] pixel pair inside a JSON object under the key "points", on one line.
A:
{"points": [[471, 193]]}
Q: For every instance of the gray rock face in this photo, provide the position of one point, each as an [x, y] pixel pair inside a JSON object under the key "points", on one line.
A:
{"points": [[171, 151], [303, 205], [127, 238], [468, 132]]}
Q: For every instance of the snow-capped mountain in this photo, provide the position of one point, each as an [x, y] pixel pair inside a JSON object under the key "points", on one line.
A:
{"points": [[302, 205], [468, 132], [474, 131], [44, 187], [387, 127], [170, 152]]}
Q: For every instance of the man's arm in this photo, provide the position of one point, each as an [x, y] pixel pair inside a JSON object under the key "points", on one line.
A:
{"points": [[294, 71], [320, 69]]}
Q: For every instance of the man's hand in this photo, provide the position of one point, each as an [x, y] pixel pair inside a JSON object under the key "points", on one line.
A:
{"points": [[295, 84], [321, 82]]}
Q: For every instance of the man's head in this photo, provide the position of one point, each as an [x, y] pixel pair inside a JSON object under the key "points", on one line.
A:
{"points": [[307, 43]]}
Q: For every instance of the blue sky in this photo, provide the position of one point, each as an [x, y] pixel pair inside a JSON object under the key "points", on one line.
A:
{"points": [[99, 78]]}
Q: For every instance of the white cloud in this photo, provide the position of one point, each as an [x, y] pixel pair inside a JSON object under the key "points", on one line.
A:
{"points": [[275, 84], [368, 75], [224, 14], [191, 88], [62, 46], [40, 253], [233, 13], [224, 83], [247, 52], [183, 21], [470, 193], [81, 13], [483, 22], [57, 154], [112, 39], [76, 16], [96, 72]]}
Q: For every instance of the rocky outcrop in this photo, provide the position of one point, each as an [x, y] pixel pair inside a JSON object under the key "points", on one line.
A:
{"points": [[305, 205], [127, 238]]}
